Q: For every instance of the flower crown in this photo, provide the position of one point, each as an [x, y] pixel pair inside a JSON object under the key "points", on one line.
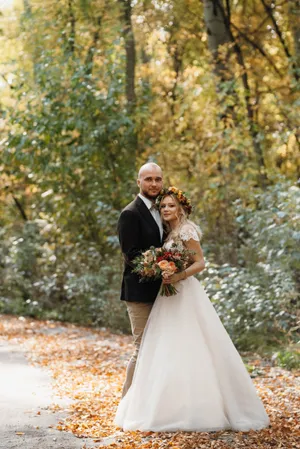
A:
{"points": [[180, 195]]}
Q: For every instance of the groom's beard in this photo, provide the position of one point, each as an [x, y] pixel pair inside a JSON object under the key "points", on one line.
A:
{"points": [[150, 197]]}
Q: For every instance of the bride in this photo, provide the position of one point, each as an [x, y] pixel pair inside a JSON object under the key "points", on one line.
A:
{"points": [[188, 376]]}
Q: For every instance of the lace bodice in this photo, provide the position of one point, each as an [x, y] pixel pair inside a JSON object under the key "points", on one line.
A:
{"points": [[187, 232]]}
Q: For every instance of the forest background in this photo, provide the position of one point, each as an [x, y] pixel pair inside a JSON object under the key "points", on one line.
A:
{"points": [[210, 91]]}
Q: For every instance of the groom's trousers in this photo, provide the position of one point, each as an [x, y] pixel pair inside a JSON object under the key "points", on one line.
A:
{"points": [[138, 314]]}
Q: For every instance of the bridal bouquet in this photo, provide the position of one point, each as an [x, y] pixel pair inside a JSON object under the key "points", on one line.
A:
{"points": [[159, 263]]}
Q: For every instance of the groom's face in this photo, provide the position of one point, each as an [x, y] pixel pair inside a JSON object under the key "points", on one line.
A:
{"points": [[150, 182]]}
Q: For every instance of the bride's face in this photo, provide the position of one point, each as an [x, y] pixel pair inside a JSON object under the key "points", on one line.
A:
{"points": [[169, 209]]}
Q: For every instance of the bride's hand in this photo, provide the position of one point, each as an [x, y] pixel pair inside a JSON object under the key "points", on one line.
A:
{"points": [[173, 279]]}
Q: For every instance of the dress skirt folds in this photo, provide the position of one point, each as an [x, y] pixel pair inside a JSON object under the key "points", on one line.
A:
{"points": [[189, 376]]}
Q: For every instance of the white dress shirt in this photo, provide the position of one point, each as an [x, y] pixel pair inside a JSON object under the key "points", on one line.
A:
{"points": [[154, 212]]}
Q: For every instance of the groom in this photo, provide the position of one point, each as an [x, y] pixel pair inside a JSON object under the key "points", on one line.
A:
{"points": [[140, 227]]}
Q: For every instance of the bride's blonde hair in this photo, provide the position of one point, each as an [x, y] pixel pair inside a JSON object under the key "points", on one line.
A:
{"points": [[182, 220]]}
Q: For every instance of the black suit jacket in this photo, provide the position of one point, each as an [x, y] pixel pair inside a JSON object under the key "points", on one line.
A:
{"points": [[137, 231]]}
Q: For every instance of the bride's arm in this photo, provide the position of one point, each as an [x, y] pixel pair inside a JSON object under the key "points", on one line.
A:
{"points": [[197, 265]]}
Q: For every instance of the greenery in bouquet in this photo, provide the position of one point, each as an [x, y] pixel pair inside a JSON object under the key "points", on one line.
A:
{"points": [[160, 263]]}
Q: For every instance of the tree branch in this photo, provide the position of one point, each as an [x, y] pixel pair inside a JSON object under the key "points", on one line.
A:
{"points": [[20, 207], [6, 80], [257, 47], [269, 12]]}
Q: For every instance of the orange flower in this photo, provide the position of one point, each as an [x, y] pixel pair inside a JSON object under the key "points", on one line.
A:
{"points": [[163, 264], [172, 266]]}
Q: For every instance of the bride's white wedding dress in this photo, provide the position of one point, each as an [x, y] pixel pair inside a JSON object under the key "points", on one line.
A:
{"points": [[189, 376]]}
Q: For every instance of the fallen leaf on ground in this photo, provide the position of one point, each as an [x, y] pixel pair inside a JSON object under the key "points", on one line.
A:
{"points": [[89, 367]]}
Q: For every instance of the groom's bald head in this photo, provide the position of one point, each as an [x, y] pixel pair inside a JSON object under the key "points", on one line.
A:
{"points": [[150, 180], [149, 166]]}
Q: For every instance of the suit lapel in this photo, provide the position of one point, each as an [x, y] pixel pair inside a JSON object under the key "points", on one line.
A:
{"points": [[143, 209]]}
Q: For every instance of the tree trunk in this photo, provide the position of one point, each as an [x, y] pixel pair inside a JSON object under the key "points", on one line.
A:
{"points": [[91, 51], [72, 24], [175, 51], [218, 36], [130, 70], [130, 54], [222, 44], [27, 23]]}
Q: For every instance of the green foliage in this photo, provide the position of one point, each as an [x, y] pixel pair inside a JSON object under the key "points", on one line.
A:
{"points": [[257, 299], [288, 358], [65, 283], [71, 144]]}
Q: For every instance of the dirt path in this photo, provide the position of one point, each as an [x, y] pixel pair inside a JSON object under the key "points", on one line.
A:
{"points": [[26, 397]]}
